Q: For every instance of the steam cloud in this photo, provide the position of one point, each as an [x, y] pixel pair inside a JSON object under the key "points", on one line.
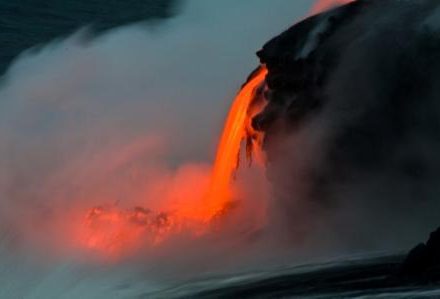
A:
{"points": [[132, 114], [352, 148]]}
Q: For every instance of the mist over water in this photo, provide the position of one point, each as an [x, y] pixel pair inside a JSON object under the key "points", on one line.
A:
{"points": [[128, 117], [132, 118]]}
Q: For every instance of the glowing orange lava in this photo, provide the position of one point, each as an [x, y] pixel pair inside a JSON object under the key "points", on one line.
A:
{"points": [[322, 5], [236, 129], [113, 231]]}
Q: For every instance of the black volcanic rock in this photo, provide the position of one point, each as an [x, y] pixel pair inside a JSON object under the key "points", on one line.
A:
{"points": [[298, 67], [352, 126], [423, 261]]}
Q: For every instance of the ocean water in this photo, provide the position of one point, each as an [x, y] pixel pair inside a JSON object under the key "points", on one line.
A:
{"points": [[28, 23], [359, 276]]}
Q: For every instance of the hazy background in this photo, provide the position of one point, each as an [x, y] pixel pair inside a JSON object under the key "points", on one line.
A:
{"points": [[88, 118]]}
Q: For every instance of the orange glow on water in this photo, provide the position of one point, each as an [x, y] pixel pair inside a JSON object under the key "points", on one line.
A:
{"points": [[114, 231]]}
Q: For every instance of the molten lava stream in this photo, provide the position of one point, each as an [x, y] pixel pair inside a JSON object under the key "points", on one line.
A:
{"points": [[228, 151], [113, 231]]}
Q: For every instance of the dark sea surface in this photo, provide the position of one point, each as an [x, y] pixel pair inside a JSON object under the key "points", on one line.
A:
{"points": [[363, 276], [28, 23]]}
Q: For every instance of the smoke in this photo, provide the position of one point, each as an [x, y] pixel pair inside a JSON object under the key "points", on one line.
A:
{"points": [[132, 117], [127, 118], [352, 129]]}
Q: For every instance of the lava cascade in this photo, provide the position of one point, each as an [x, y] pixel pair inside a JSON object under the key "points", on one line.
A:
{"points": [[236, 129], [113, 231]]}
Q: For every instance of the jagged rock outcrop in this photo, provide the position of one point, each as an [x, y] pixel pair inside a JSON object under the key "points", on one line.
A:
{"points": [[352, 126], [423, 261], [298, 65]]}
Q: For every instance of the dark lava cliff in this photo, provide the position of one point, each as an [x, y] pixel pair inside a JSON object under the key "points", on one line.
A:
{"points": [[353, 123]]}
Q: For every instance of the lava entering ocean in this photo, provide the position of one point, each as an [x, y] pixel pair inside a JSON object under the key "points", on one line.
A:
{"points": [[113, 231]]}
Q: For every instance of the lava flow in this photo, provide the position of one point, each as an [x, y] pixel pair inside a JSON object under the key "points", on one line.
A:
{"points": [[236, 129], [112, 231]]}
